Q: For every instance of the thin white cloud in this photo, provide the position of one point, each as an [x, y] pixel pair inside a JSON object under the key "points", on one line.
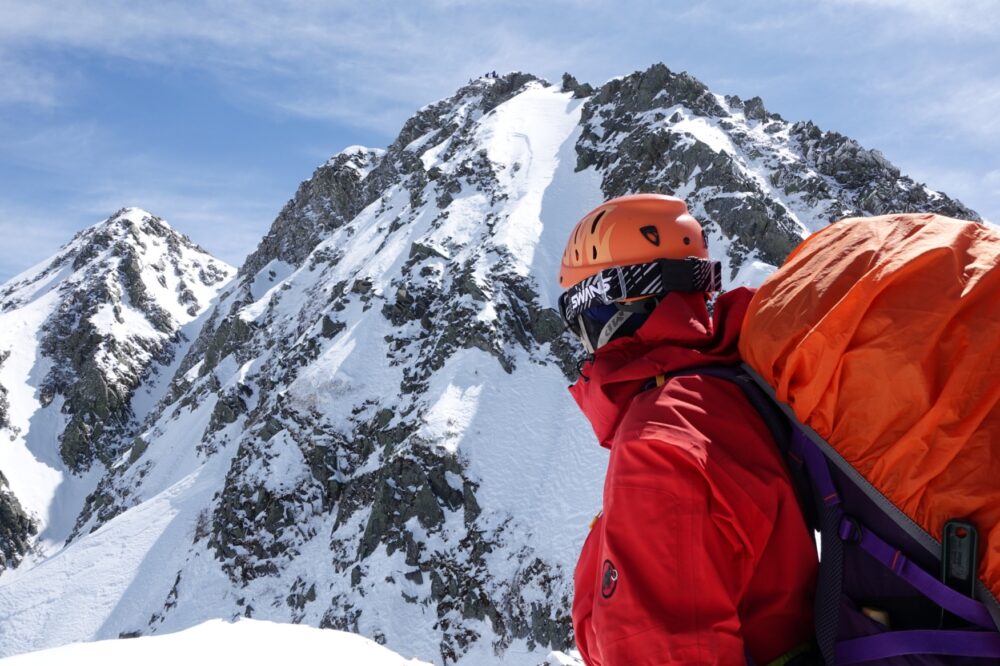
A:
{"points": [[970, 106], [226, 211], [992, 180], [964, 17], [947, 101], [23, 84], [308, 58], [30, 237], [67, 148]]}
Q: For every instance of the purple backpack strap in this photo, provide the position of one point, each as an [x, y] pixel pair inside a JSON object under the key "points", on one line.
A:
{"points": [[831, 571], [965, 607], [985, 644], [837, 528], [959, 643]]}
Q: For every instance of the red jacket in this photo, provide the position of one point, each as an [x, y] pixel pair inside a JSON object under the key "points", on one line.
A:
{"points": [[701, 555]]}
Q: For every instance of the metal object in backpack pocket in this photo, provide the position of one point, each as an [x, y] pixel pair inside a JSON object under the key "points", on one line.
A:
{"points": [[959, 562]]}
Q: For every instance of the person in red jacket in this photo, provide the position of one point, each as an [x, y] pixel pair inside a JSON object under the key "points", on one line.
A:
{"points": [[701, 554]]}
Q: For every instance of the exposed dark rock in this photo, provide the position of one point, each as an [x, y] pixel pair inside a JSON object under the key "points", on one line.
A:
{"points": [[638, 152], [330, 328], [754, 109], [229, 338], [4, 404], [97, 372], [579, 90], [16, 528], [875, 186], [334, 195], [654, 88], [227, 409]]}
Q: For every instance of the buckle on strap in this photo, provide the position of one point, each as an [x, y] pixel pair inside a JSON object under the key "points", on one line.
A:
{"points": [[850, 530]]}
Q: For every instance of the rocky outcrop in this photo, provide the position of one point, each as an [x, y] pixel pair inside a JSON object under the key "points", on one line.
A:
{"points": [[579, 90], [874, 185], [16, 528], [100, 351], [4, 403], [335, 194]]}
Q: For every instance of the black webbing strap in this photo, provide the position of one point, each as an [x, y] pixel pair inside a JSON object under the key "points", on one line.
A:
{"points": [[829, 582]]}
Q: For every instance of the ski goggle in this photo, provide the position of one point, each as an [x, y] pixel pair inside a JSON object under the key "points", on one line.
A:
{"points": [[636, 281]]}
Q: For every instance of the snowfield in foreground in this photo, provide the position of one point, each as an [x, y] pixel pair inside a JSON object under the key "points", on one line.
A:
{"points": [[247, 642]]}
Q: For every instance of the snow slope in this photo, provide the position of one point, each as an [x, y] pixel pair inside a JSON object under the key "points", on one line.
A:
{"points": [[246, 642]]}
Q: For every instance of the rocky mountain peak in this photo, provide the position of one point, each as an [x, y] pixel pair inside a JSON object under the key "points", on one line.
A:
{"points": [[755, 181], [85, 337]]}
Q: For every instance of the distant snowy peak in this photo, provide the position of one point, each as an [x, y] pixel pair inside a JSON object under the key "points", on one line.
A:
{"points": [[129, 234], [124, 289], [79, 334]]}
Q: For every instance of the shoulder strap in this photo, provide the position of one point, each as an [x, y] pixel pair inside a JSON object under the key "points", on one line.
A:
{"points": [[775, 420]]}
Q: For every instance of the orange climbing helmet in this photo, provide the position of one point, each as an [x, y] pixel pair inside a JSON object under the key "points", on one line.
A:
{"points": [[624, 254], [634, 229]]}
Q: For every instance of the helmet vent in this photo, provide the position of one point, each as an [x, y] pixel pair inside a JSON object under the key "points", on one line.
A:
{"points": [[593, 226], [687, 240], [652, 234], [578, 255], [595, 252]]}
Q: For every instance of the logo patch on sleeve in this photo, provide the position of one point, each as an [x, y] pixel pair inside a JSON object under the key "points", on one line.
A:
{"points": [[609, 579]]}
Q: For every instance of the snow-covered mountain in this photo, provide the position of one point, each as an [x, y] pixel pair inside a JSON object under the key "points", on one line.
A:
{"points": [[88, 341], [371, 430]]}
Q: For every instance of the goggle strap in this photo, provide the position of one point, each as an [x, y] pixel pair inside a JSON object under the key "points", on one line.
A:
{"points": [[640, 280]]}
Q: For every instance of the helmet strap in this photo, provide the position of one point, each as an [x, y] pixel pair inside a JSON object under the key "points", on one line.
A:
{"points": [[612, 326], [584, 335]]}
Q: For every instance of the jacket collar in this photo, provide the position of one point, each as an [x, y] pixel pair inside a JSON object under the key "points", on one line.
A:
{"points": [[678, 334]]}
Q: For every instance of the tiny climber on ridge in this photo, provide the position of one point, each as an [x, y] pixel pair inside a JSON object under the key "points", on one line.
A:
{"points": [[701, 554]]}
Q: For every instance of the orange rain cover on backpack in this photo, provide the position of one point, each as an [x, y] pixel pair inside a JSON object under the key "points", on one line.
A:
{"points": [[883, 335]]}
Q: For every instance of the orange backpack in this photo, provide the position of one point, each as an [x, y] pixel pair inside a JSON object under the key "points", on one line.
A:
{"points": [[880, 340]]}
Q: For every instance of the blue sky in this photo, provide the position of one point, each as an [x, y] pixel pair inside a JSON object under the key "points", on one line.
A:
{"points": [[209, 114]]}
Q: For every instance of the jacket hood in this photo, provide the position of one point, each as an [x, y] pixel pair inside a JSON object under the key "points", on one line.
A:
{"points": [[679, 334]]}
